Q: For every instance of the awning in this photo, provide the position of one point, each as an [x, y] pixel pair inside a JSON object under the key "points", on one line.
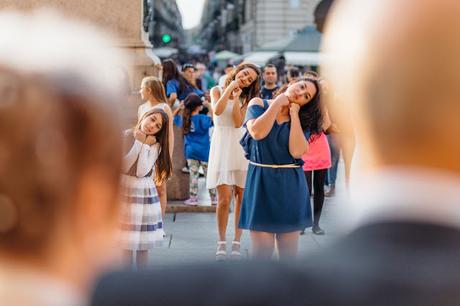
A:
{"points": [[303, 58], [260, 57], [152, 56], [164, 52]]}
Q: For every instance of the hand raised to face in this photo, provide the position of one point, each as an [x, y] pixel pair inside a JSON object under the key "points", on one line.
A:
{"points": [[282, 100], [294, 108], [139, 135]]}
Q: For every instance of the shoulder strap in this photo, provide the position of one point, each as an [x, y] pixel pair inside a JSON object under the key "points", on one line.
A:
{"points": [[265, 103]]}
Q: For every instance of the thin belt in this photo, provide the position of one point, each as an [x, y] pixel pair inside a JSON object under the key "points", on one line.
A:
{"points": [[274, 166]]}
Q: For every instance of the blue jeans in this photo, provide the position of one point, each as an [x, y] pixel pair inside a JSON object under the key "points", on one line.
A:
{"points": [[334, 146]]}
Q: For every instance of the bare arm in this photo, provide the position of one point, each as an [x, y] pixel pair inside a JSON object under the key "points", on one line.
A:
{"points": [[172, 98], [298, 144], [238, 112], [220, 100], [326, 119], [177, 110], [260, 127]]}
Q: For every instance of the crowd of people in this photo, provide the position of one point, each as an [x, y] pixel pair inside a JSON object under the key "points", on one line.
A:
{"points": [[219, 126], [61, 156]]}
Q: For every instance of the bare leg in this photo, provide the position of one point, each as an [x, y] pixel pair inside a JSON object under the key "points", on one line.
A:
{"points": [[288, 244], [161, 189], [128, 257], [224, 196], [142, 259], [238, 200], [263, 244]]}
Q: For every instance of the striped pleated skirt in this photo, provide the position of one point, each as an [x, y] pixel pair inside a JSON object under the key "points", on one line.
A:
{"points": [[141, 219]]}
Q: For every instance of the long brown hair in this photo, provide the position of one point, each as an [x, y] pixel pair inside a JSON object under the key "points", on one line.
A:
{"points": [[190, 104], [310, 115], [156, 87], [252, 90], [163, 169]]}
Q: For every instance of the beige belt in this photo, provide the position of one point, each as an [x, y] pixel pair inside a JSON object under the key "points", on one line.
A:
{"points": [[274, 166]]}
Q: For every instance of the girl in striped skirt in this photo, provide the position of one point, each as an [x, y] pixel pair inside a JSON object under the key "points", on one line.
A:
{"points": [[146, 162]]}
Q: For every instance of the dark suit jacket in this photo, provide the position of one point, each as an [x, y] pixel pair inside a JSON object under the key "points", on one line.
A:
{"points": [[378, 264]]}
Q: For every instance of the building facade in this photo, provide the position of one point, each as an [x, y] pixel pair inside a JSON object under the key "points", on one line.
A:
{"points": [[245, 25], [162, 20], [270, 20]]}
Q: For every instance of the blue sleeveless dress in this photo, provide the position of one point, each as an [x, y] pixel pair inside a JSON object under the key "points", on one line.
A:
{"points": [[275, 200]]}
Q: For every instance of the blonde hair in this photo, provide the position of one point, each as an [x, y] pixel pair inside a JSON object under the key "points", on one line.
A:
{"points": [[156, 88]]}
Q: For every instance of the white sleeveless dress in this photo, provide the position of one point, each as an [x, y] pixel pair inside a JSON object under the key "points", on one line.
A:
{"points": [[227, 164]]}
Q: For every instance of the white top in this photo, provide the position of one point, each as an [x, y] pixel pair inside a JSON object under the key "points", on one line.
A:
{"points": [[222, 80], [407, 194], [148, 155]]}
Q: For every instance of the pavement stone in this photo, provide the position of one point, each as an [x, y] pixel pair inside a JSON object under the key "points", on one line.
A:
{"points": [[192, 234]]}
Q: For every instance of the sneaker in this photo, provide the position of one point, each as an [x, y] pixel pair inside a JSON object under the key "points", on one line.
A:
{"points": [[330, 192], [193, 201], [213, 200], [221, 252], [317, 230], [236, 253]]}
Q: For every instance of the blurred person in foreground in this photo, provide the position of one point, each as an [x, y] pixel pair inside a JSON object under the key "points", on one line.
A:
{"points": [[60, 158], [405, 247]]}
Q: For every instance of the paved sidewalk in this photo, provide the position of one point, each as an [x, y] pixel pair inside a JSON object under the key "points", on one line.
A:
{"points": [[192, 236]]}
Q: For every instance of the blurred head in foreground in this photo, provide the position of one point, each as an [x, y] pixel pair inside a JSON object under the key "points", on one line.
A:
{"points": [[60, 149], [403, 95]]}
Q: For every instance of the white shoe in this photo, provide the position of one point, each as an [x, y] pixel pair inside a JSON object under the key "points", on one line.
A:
{"points": [[221, 253]]}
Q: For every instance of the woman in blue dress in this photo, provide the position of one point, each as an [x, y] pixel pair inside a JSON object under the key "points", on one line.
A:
{"points": [[276, 192]]}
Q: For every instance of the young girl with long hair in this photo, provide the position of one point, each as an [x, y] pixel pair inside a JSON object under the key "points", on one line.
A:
{"points": [[273, 206], [227, 166], [147, 161], [196, 144], [152, 91]]}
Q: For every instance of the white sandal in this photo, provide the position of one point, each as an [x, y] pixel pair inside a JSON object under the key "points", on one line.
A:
{"points": [[236, 254], [221, 253]]}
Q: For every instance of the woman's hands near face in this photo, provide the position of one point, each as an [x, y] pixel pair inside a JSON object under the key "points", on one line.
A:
{"points": [[294, 108], [234, 84], [236, 93], [282, 100], [139, 135]]}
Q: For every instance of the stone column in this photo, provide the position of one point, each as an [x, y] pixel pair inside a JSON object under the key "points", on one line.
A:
{"points": [[123, 19], [178, 185]]}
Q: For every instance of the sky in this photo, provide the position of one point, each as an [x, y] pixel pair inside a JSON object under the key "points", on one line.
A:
{"points": [[191, 12]]}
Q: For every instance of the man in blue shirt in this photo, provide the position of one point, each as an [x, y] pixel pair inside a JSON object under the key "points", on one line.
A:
{"points": [[270, 77]]}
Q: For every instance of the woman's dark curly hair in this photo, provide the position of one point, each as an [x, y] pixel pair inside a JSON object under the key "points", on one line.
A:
{"points": [[190, 104], [311, 118], [252, 90]]}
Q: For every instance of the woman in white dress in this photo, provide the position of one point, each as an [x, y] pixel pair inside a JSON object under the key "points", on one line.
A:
{"points": [[228, 166]]}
